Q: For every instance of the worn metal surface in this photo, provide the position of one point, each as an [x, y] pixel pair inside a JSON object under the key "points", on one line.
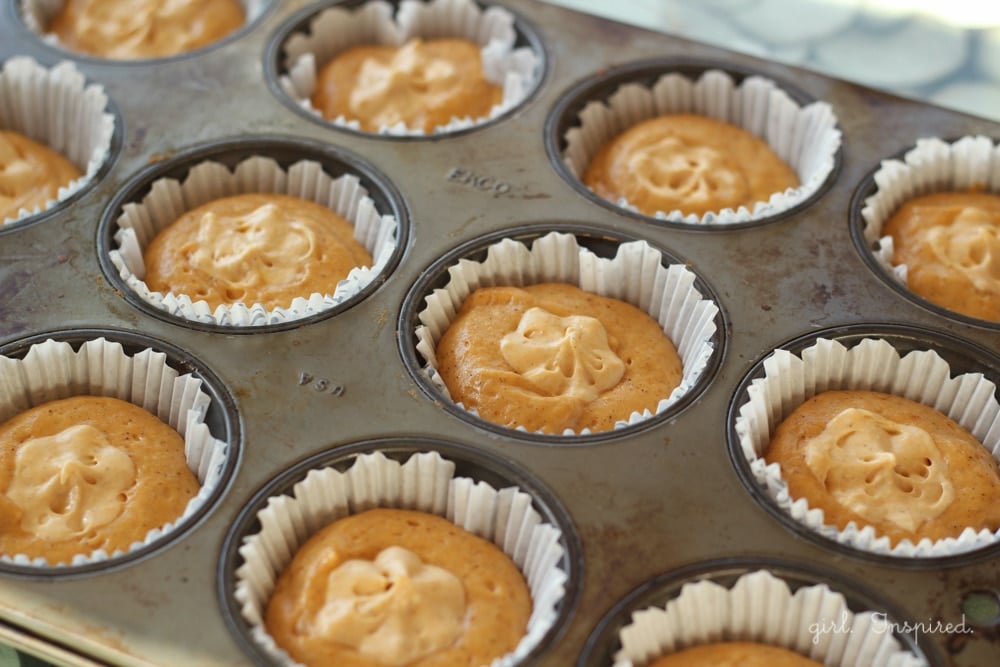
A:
{"points": [[644, 504]]}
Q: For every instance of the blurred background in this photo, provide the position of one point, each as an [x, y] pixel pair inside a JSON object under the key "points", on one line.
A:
{"points": [[946, 52]]}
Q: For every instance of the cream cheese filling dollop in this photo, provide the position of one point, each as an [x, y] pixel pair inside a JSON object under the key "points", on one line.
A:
{"points": [[970, 245], [563, 356], [129, 29], [395, 609], [70, 483], [880, 469], [266, 246], [676, 174], [412, 80]]}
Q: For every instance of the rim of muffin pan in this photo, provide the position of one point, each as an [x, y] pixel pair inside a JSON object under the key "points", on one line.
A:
{"points": [[469, 462], [114, 153], [963, 356], [602, 242], [526, 36], [17, 11], [222, 419], [856, 223], [604, 83], [603, 641], [285, 150]]}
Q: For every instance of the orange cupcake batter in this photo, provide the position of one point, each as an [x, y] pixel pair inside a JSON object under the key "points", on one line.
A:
{"points": [[398, 587], [735, 654], [552, 357], [88, 473], [30, 174], [254, 248], [885, 461], [950, 244], [423, 84], [133, 29], [688, 163]]}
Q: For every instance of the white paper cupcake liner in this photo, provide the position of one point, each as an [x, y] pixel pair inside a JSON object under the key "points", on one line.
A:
{"points": [[37, 14], [169, 199], [933, 165], [53, 370], [634, 275], [426, 483], [814, 621], [57, 108], [921, 375], [337, 29], [806, 138]]}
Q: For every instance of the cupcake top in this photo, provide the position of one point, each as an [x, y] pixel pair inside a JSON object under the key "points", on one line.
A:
{"points": [[687, 163], [398, 587], [254, 248], [144, 28], [31, 174], [421, 84], [882, 460], [950, 245], [88, 473], [551, 357]]}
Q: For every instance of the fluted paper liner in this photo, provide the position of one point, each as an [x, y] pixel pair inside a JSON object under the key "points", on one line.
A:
{"points": [[57, 108], [921, 375], [814, 621], [37, 15], [933, 165], [53, 370], [634, 275], [169, 199], [426, 483], [805, 137], [337, 29]]}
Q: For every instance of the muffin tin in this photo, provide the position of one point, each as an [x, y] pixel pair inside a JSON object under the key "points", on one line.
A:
{"points": [[649, 506]]}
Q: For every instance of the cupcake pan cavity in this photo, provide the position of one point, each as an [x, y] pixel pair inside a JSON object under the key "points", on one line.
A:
{"points": [[630, 270], [932, 164], [162, 380], [803, 132], [341, 183], [484, 496], [664, 495], [945, 373], [769, 601], [512, 56], [57, 107]]}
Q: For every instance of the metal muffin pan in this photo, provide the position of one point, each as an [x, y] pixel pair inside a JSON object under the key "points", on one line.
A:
{"points": [[650, 502]]}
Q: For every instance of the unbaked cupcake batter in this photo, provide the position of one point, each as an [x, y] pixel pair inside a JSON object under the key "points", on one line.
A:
{"points": [[885, 461], [254, 248], [552, 357], [688, 163], [735, 654], [391, 587], [88, 473], [422, 84], [950, 244], [133, 29], [30, 174]]}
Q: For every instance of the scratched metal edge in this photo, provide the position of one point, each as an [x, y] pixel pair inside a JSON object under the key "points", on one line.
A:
{"points": [[637, 518]]}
